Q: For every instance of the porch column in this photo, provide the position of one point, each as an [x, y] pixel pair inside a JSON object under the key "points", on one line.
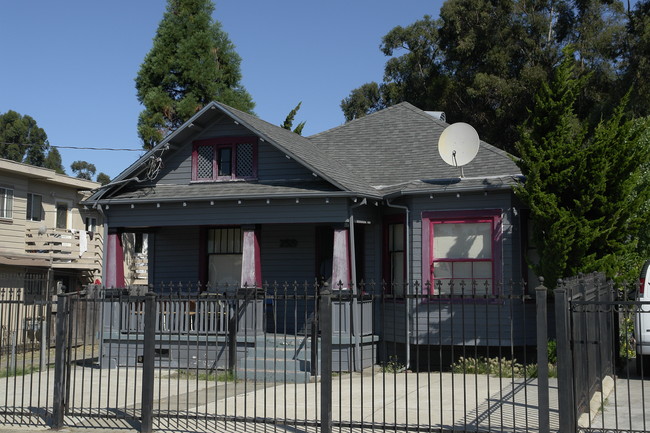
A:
{"points": [[251, 268], [341, 259], [114, 257]]}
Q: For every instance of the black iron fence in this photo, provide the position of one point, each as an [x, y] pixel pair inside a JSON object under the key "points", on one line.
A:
{"points": [[316, 358]]}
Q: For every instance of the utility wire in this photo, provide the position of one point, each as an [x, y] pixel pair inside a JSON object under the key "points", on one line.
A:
{"points": [[114, 149]]}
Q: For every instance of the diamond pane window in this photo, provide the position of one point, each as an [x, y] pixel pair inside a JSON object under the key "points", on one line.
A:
{"points": [[245, 160], [205, 160], [223, 159]]}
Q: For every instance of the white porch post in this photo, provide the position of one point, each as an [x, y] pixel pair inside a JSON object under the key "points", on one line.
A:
{"points": [[251, 268], [341, 259]]}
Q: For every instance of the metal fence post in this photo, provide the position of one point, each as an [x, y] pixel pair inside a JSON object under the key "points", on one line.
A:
{"points": [[60, 360], [146, 416], [233, 320], [542, 358], [326, 359], [566, 401]]}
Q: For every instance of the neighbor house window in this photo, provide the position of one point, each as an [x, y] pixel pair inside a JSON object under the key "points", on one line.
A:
{"points": [[224, 159], [463, 251], [34, 207], [61, 216], [6, 203], [224, 256]]}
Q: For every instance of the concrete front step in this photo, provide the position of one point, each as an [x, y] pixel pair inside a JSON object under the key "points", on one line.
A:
{"points": [[275, 360]]}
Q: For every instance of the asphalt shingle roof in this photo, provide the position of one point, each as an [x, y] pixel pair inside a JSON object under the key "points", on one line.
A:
{"points": [[393, 151], [398, 145]]}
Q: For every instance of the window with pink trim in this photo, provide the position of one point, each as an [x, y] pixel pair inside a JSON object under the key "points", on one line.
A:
{"points": [[223, 159], [464, 252]]}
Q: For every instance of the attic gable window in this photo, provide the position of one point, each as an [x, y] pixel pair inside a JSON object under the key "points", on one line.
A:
{"points": [[224, 159]]}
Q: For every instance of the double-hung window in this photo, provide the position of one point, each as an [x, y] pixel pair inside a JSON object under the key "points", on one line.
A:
{"points": [[34, 207], [223, 159], [464, 252], [6, 203]]}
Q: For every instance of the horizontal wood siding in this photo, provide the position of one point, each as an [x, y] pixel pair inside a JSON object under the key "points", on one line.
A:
{"points": [[470, 323], [176, 256], [510, 245], [281, 260], [228, 212], [272, 164], [474, 324], [12, 231]]}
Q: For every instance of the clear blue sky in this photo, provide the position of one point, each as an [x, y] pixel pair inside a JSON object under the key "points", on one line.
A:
{"points": [[71, 64]]}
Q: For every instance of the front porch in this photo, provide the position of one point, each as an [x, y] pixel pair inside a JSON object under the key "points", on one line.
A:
{"points": [[245, 331]]}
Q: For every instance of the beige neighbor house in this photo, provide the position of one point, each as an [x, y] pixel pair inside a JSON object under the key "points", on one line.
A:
{"points": [[45, 235]]}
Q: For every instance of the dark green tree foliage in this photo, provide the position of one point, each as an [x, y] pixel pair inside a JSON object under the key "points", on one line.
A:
{"points": [[288, 121], [637, 58], [482, 61], [83, 169], [53, 161], [22, 140], [582, 187], [192, 62], [103, 178]]}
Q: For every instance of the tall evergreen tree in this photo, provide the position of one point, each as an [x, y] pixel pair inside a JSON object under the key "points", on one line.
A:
{"points": [[22, 140], [288, 121], [582, 186], [53, 161], [637, 58], [482, 61], [192, 62]]}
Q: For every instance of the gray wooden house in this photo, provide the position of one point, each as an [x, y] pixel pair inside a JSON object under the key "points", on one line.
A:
{"points": [[231, 199]]}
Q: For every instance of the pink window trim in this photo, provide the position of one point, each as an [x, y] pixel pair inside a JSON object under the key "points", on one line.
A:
{"points": [[461, 216], [222, 142]]}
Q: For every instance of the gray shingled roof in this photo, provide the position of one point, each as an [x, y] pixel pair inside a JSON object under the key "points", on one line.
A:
{"points": [[226, 190], [396, 148], [390, 152], [304, 151]]}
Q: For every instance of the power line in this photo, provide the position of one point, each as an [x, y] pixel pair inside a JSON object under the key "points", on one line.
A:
{"points": [[112, 149]]}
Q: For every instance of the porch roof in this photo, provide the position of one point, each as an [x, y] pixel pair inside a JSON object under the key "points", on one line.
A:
{"points": [[228, 191]]}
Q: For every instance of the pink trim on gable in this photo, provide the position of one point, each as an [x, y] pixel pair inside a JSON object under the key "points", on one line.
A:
{"points": [[114, 261], [251, 267], [341, 259], [462, 216]]}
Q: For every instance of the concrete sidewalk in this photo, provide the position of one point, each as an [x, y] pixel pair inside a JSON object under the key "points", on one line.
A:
{"points": [[408, 400]]}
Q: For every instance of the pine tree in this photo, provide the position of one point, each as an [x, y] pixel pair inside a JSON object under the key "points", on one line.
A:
{"points": [[192, 62], [288, 121], [583, 188], [53, 161], [22, 140]]}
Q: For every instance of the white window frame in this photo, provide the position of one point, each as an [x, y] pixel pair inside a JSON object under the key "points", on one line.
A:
{"points": [[30, 211], [6, 202]]}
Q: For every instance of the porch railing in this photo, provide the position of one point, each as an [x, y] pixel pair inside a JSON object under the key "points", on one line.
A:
{"points": [[178, 316], [66, 248]]}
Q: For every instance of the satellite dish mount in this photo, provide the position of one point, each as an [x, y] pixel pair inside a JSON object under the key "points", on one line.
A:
{"points": [[458, 145]]}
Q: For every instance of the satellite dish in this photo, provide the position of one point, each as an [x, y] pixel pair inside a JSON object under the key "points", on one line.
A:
{"points": [[458, 144]]}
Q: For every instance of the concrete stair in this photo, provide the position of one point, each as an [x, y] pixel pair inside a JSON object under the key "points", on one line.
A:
{"points": [[275, 358]]}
